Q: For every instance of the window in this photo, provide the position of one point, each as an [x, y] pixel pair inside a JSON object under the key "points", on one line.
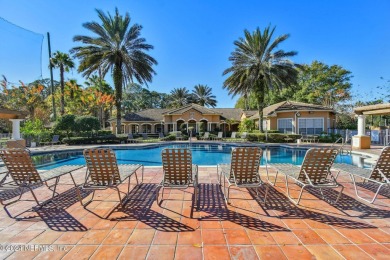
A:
{"points": [[311, 126], [285, 125]]}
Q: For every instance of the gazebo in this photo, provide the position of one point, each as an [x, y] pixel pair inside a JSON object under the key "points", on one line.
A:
{"points": [[361, 140], [15, 117]]}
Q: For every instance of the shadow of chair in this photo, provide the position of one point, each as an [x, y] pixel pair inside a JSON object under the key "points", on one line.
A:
{"points": [[213, 203], [138, 208], [379, 174], [289, 210], [104, 172], [24, 175]]}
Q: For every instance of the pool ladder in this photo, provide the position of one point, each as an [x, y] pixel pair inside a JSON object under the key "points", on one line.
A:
{"points": [[342, 149]]}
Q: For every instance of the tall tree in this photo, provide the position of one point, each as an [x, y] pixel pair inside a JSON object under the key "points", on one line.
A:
{"points": [[180, 97], [203, 96], [64, 63], [117, 47], [323, 84], [258, 66]]}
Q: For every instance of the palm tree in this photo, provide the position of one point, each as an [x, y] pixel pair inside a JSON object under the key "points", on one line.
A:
{"points": [[203, 96], [64, 63], [180, 97], [119, 48], [259, 67]]}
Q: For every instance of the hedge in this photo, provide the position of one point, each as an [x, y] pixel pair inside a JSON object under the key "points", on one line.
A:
{"points": [[93, 140], [273, 137]]}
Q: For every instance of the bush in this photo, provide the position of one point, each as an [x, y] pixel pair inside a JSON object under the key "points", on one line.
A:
{"points": [[93, 140], [66, 123], [272, 137], [87, 124], [170, 137]]}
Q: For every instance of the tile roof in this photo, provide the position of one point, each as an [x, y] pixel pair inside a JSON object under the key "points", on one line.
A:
{"points": [[154, 114], [288, 106], [229, 113], [181, 110]]}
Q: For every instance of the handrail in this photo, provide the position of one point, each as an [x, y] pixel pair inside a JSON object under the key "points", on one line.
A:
{"points": [[337, 141]]}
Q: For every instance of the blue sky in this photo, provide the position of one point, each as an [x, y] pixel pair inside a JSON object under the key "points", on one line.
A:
{"points": [[193, 39]]}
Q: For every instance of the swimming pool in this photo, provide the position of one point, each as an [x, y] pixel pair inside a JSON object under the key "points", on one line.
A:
{"points": [[202, 154]]}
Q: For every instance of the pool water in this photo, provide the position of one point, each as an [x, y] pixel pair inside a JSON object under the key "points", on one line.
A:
{"points": [[202, 154]]}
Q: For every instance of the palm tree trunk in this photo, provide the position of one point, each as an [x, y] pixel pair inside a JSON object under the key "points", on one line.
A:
{"points": [[260, 108], [62, 109], [118, 79]]}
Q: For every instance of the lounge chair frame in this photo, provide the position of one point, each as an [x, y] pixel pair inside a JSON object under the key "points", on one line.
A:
{"points": [[178, 172], [206, 136], [25, 176], [379, 174], [103, 172], [54, 140], [242, 172], [314, 172]]}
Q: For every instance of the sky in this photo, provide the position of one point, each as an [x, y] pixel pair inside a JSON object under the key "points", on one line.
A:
{"points": [[193, 39]]}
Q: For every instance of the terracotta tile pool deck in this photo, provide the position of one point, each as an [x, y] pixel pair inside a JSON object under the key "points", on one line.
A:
{"points": [[245, 229]]}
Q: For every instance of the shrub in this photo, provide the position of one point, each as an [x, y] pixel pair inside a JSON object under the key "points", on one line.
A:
{"points": [[272, 137], [93, 140], [66, 124], [170, 137], [87, 124]]}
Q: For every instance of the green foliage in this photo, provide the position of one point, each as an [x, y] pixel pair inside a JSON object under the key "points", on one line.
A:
{"points": [[34, 129], [65, 124], [273, 137], [202, 95], [87, 124], [94, 140], [259, 66], [128, 63], [170, 137], [246, 125], [323, 84]]}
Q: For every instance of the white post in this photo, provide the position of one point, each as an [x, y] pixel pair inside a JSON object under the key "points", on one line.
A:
{"points": [[16, 128], [361, 125]]}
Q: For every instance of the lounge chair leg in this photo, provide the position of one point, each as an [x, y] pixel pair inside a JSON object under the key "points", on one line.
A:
{"points": [[136, 177], [142, 176], [35, 197], [288, 192], [228, 195], [357, 192], [157, 191], [55, 186], [119, 195], [338, 197]]}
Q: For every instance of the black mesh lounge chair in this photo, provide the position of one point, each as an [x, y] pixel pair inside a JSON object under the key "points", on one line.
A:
{"points": [[178, 172], [103, 172], [131, 139], [243, 170], [161, 136], [314, 172], [54, 140], [25, 175], [379, 174]]}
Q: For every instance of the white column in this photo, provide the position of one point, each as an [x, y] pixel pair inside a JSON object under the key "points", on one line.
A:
{"points": [[16, 128], [361, 125]]}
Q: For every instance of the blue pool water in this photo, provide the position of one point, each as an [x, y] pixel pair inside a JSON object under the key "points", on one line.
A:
{"points": [[202, 154]]}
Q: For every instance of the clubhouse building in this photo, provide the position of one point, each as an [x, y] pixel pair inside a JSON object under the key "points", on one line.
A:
{"points": [[286, 117]]}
